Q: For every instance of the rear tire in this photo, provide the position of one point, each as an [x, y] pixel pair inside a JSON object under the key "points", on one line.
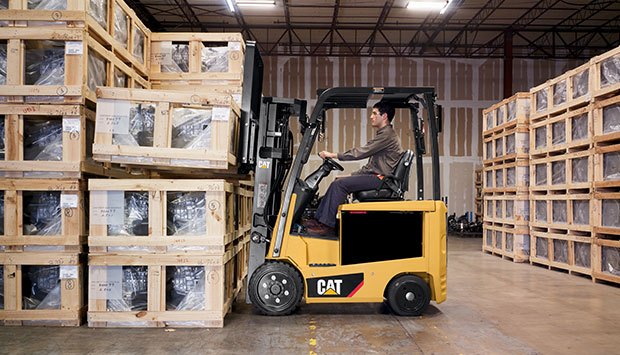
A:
{"points": [[408, 295], [276, 289]]}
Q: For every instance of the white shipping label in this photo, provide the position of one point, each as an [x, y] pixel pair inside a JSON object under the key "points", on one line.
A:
{"points": [[235, 46], [107, 207], [106, 282], [163, 54], [74, 48], [68, 201], [220, 113], [68, 272], [113, 116], [71, 125]]}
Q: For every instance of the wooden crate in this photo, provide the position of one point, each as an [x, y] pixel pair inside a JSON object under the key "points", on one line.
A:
{"points": [[87, 65], [607, 121], [508, 241], [567, 252], [507, 114], [606, 214], [111, 22], [512, 177], [572, 171], [30, 225], [562, 213], [235, 91], [607, 167], [606, 260], [152, 143], [211, 223], [64, 153], [196, 67], [28, 304], [488, 237], [604, 83], [561, 94], [512, 209], [507, 145], [151, 302], [569, 132]]}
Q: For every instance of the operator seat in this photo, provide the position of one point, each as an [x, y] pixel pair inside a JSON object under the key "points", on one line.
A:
{"points": [[393, 187]]}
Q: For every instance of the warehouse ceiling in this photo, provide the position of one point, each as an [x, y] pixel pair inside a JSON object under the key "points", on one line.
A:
{"points": [[467, 28]]}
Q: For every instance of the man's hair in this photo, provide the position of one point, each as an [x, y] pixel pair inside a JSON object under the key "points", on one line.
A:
{"points": [[386, 108]]}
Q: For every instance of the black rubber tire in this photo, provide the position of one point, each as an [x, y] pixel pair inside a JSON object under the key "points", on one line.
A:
{"points": [[276, 289], [408, 295]]}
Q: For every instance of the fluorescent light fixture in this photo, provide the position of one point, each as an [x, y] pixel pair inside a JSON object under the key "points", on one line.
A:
{"points": [[256, 3], [429, 5], [230, 5]]}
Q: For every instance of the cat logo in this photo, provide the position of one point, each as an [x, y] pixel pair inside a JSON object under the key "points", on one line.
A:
{"points": [[263, 164], [328, 287]]}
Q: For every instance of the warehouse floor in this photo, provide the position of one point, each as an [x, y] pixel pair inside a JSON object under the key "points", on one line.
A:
{"points": [[493, 307]]}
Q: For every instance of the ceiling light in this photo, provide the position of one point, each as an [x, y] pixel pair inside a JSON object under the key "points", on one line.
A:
{"points": [[230, 5], [429, 5], [256, 3]]}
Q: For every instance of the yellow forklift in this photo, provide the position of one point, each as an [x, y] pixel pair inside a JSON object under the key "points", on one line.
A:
{"points": [[386, 248]]}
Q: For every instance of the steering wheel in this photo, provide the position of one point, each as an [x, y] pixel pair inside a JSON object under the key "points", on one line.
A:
{"points": [[331, 163]]}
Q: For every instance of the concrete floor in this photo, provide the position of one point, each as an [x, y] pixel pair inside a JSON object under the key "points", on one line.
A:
{"points": [[494, 307]]}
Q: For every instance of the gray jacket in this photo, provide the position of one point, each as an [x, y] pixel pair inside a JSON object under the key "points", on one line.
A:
{"points": [[384, 151]]}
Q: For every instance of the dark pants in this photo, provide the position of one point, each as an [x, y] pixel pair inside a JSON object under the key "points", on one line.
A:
{"points": [[337, 193]]}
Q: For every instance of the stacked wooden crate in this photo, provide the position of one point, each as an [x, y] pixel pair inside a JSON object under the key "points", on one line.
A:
{"points": [[478, 202], [606, 209], [561, 172], [506, 178], [53, 54]]}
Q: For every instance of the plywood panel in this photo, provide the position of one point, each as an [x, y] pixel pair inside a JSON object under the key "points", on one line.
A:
{"points": [[489, 83], [435, 76], [462, 80]]}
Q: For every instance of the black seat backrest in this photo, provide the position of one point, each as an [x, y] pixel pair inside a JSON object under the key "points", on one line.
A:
{"points": [[403, 168], [393, 187]]}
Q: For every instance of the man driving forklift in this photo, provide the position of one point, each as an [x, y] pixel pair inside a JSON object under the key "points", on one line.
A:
{"points": [[383, 150]]}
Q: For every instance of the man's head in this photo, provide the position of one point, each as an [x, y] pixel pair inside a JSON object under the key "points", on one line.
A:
{"points": [[382, 114]]}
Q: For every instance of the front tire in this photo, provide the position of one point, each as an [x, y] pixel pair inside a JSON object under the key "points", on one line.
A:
{"points": [[408, 295], [276, 289]]}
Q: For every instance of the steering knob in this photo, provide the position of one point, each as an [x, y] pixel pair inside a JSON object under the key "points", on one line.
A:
{"points": [[332, 164]]}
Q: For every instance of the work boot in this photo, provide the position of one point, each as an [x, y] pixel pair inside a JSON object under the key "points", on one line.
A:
{"points": [[321, 229]]}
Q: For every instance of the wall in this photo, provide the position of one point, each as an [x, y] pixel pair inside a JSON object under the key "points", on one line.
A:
{"points": [[464, 88]]}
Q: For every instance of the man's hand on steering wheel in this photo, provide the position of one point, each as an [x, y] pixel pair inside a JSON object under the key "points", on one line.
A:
{"points": [[327, 159]]}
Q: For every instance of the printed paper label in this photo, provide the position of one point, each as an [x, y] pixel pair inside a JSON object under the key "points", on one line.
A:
{"points": [[68, 201], [162, 56], [71, 125], [107, 207], [74, 48], [235, 46], [113, 116], [106, 282], [68, 272], [220, 113]]}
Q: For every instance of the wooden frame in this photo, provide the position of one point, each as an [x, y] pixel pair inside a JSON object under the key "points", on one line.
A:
{"points": [[599, 260], [601, 137], [602, 89], [80, 51], [225, 220], [567, 252], [496, 178], [508, 209], [223, 137], [73, 221], [72, 308], [560, 133], [235, 91], [495, 147], [222, 285], [567, 222], [545, 173], [599, 211], [496, 116], [602, 159], [161, 46], [508, 241]]}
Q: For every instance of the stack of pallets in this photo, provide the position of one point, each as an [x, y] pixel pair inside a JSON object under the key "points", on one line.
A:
{"points": [[506, 178]]}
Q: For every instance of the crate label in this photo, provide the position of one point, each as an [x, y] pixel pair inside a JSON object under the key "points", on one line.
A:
{"points": [[235, 46], [68, 201], [162, 55], [220, 113], [113, 116], [68, 272], [106, 282], [71, 125], [74, 48], [107, 207]]}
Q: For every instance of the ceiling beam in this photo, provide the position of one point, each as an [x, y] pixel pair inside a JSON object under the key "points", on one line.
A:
{"points": [[380, 22], [145, 15], [190, 15], [476, 20], [333, 26], [447, 16]]}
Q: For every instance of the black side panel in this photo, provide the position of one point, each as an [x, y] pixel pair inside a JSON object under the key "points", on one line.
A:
{"points": [[371, 236]]}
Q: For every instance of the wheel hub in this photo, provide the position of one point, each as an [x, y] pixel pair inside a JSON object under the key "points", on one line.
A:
{"points": [[410, 296], [275, 290]]}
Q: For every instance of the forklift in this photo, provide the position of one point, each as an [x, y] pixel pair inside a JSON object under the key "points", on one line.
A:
{"points": [[387, 249]]}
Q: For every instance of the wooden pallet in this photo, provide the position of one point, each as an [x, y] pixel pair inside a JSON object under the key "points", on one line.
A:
{"points": [[87, 65], [511, 177], [215, 288], [567, 252], [195, 70], [568, 132], [64, 302], [21, 198], [572, 171], [606, 130], [508, 241], [512, 209], [562, 213], [606, 214], [603, 84], [114, 25], [507, 114], [219, 216], [507, 145], [561, 94], [114, 142]]}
